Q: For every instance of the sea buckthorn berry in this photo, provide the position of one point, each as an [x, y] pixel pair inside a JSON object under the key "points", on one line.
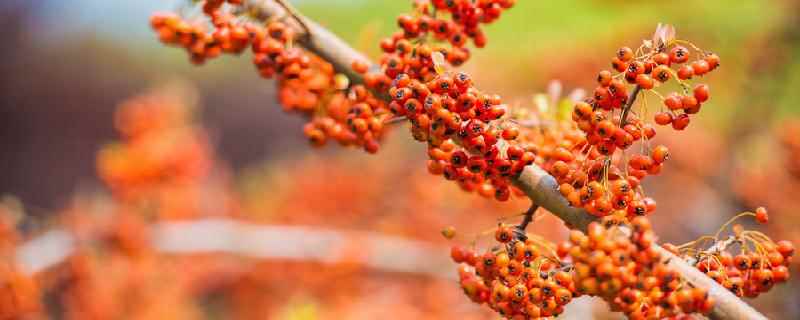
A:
{"points": [[685, 72], [636, 67], [786, 248], [604, 78], [663, 118], [780, 274], [449, 232], [700, 67], [761, 215], [625, 54], [673, 101], [662, 73], [712, 60], [619, 65], [459, 159], [678, 54], [689, 102], [660, 154], [504, 234], [645, 82], [605, 128], [681, 122], [701, 93], [661, 58]]}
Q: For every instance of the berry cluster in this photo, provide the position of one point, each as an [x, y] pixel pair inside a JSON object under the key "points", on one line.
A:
{"points": [[526, 277], [477, 141], [747, 263], [159, 146], [626, 271], [306, 83], [592, 168], [520, 278], [465, 142]]}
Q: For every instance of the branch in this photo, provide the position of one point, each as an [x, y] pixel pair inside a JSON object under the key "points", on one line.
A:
{"points": [[526, 220], [312, 36], [377, 252], [537, 184]]}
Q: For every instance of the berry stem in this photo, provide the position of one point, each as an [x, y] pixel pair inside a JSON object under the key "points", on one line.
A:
{"points": [[295, 15], [627, 109], [527, 218]]}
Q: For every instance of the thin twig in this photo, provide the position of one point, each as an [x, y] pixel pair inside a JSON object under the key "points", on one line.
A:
{"points": [[528, 218], [623, 120], [295, 15]]}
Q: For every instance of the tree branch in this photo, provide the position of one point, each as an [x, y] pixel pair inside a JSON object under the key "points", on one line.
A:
{"points": [[318, 39], [537, 184], [298, 243]]}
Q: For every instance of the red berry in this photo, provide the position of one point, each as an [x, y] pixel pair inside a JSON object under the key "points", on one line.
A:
{"points": [[645, 82], [685, 72], [701, 93], [673, 101], [625, 54], [663, 118], [678, 54], [700, 67], [680, 122]]}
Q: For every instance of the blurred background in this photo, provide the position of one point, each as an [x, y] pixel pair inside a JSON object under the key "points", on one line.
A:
{"points": [[66, 66]]}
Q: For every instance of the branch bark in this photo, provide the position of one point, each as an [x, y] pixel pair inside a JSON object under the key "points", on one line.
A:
{"points": [[537, 184]]}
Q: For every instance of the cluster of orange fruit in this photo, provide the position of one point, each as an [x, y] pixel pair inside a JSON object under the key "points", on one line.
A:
{"points": [[482, 144], [748, 263], [306, 83], [526, 277]]}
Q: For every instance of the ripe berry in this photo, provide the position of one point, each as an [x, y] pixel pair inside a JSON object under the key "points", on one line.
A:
{"points": [[680, 122], [660, 154], [689, 102], [673, 102], [449, 232], [686, 72], [504, 234], [678, 54], [663, 118], [625, 54], [761, 215], [662, 73], [645, 82], [712, 60], [604, 78], [700, 67], [701, 93]]}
